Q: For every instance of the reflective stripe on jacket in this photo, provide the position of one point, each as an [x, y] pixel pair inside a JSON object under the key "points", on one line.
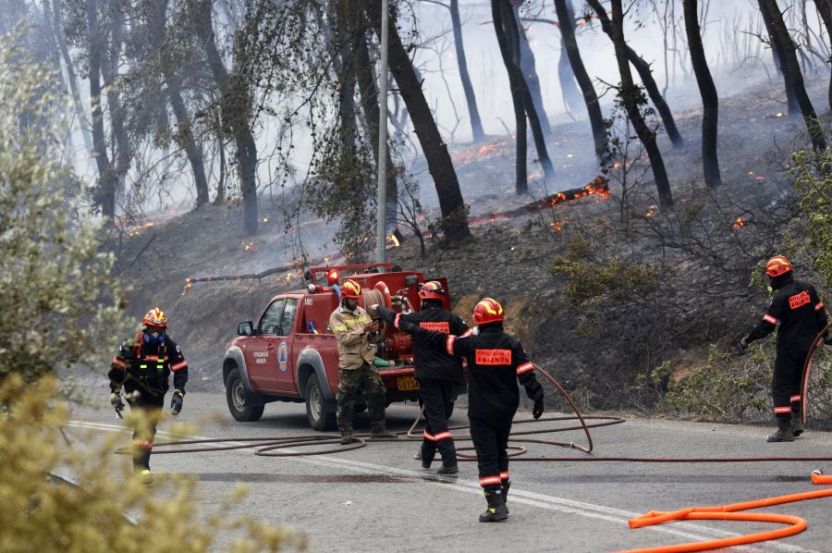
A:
{"points": [[354, 347]]}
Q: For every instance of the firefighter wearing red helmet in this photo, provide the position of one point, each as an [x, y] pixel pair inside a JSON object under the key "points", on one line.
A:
{"points": [[355, 334], [797, 308], [143, 367], [436, 371], [496, 361]]}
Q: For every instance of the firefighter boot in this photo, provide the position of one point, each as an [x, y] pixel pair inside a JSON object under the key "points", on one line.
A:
{"points": [[427, 454], [496, 511], [783, 434], [448, 452], [448, 469], [347, 437], [377, 432], [504, 488], [797, 426]]}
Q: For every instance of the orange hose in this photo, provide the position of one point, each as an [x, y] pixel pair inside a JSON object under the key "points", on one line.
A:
{"points": [[735, 511]]}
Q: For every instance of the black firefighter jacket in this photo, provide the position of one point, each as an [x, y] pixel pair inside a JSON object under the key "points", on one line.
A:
{"points": [[431, 362], [146, 366], [797, 308], [496, 361]]}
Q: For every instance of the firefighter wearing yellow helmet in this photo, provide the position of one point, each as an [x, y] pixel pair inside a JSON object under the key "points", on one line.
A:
{"points": [[355, 333], [142, 369], [797, 309]]}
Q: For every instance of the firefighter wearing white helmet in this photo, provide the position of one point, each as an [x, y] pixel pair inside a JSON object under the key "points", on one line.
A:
{"points": [[355, 333]]}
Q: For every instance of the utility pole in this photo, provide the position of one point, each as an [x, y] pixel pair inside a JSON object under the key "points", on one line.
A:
{"points": [[381, 203]]}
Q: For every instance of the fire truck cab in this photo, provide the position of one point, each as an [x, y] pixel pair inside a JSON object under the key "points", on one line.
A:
{"points": [[290, 354]]}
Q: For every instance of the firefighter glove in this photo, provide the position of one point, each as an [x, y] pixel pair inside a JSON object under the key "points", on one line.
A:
{"points": [[116, 402], [176, 402], [537, 411], [742, 345]]}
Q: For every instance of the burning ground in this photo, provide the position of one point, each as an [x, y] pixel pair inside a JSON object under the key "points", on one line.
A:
{"points": [[603, 289]]}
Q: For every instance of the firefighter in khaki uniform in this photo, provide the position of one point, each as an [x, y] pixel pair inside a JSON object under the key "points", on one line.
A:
{"points": [[496, 361], [354, 331], [143, 367], [797, 308]]}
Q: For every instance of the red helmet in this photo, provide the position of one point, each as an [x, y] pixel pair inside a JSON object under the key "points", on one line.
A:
{"points": [[778, 265], [155, 317], [488, 311], [432, 290], [350, 289]]}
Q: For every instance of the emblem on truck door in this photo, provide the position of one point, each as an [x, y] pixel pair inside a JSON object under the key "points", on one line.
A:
{"points": [[283, 356]]}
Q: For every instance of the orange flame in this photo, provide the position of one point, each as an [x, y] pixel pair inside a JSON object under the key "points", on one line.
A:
{"points": [[739, 223]]}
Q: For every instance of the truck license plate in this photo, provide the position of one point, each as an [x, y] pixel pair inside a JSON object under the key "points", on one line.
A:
{"points": [[407, 384]]}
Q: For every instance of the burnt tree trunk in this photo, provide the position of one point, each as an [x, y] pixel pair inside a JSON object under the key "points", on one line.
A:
{"points": [[777, 55], [454, 217], [529, 69], [791, 71], [646, 75], [630, 96], [825, 10], [521, 181], [506, 25], [570, 44], [467, 87], [184, 135], [109, 70], [568, 86], [106, 193], [710, 99], [235, 104]]}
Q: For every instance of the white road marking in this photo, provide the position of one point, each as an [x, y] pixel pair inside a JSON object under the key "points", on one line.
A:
{"points": [[685, 530]]}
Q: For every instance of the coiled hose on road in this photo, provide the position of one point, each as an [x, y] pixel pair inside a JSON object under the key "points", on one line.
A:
{"points": [[287, 446]]}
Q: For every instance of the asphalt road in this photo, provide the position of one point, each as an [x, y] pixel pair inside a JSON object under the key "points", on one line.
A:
{"points": [[379, 499]]}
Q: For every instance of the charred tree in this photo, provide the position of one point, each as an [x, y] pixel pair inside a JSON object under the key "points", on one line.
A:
{"points": [[467, 87], [529, 68], [631, 97], [791, 71], [646, 75], [107, 179], [777, 56], [184, 136], [454, 217], [710, 99], [235, 107], [521, 181], [825, 10], [508, 38], [109, 70], [596, 118]]}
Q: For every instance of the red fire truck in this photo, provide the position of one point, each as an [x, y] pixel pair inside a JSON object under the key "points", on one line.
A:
{"points": [[290, 354]]}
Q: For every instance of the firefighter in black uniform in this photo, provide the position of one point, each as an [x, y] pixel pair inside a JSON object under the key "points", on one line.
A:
{"points": [[796, 306], [496, 361], [436, 371], [143, 366]]}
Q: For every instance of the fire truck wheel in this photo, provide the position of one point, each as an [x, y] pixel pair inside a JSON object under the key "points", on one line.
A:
{"points": [[318, 413], [239, 403]]}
